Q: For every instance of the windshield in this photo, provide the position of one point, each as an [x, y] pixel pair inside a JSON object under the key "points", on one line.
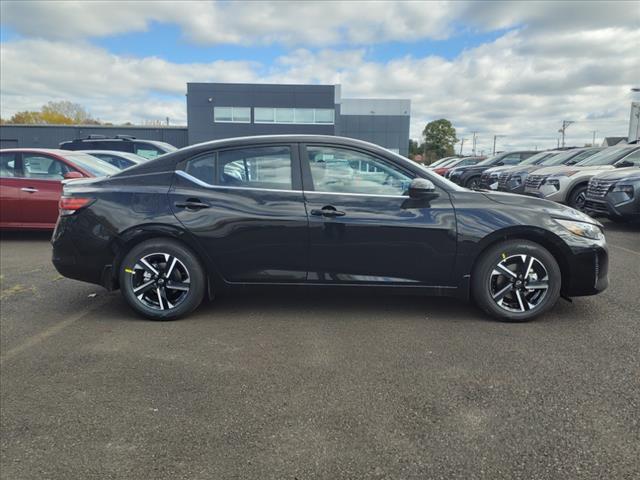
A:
{"points": [[606, 157], [562, 158], [91, 164], [538, 157], [489, 160], [442, 161]]}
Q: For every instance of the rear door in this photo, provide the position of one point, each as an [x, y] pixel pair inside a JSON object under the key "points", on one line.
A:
{"points": [[41, 188], [365, 229], [245, 207], [10, 184]]}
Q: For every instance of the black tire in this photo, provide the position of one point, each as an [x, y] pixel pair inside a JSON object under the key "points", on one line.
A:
{"points": [[577, 197], [486, 289], [187, 273], [473, 182]]}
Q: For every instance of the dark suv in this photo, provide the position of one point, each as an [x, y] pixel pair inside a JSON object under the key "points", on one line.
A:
{"points": [[121, 143], [470, 176], [318, 211]]}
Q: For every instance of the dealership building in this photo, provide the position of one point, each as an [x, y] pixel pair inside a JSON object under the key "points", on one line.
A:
{"points": [[224, 110]]}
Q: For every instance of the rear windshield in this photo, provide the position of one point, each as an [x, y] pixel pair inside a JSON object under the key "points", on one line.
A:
{"points": [[91, 164], [606, 157]]}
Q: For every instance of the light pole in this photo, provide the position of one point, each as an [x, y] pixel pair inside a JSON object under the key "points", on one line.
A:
{"points": [[461, 145], [593, 142], [474, 143], [494, 142], [565, 124]]}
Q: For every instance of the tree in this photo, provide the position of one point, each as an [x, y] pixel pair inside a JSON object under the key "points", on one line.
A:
{"points": [[439, 137], [55, 113], [414, 148]]}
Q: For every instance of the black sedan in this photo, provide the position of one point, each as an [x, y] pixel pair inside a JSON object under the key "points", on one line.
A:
{"points": [[318, 211]]}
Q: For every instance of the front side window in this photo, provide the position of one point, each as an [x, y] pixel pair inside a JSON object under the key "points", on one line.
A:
{"points": [[511, 159], [40, 167], [8, 168], [634, 159], [256, 167], [348, 171]]}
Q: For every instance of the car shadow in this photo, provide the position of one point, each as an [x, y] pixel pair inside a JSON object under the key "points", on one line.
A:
{"points": [[26, 235]]}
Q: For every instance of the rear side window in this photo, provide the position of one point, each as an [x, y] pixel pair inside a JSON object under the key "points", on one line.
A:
{"points": [[8, 167], [147, 150], [255, 167], [511, 159]]}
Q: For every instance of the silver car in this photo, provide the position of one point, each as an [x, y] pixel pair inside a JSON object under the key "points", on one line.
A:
{"points": [[568, 183]]}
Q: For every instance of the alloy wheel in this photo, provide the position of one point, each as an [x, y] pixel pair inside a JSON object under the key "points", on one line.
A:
{"points": [[519, 283], [580, 200], [160, 281]]}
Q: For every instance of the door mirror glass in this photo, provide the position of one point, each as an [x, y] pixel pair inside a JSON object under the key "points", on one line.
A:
{"points": [[70, 175], [422, 188]]}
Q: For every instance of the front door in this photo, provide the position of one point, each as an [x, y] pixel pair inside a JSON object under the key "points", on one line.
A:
{"points": [[245, 207], [365, 229]]}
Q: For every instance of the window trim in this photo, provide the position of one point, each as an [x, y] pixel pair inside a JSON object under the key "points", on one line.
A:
{"points": [[307, 177], [296, 174]]}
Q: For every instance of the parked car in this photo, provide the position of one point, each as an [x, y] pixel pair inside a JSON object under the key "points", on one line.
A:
{"points": [[442, 161], [120, 143], [615, 194], [318, 211], [568, 184], [470, 176], [120, 160], [513, 179], [489, 178], [458, 162], [31, 184]]}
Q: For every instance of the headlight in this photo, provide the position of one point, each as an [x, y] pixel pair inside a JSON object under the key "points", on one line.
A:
{"points": [[554, 182], [582, 229], [626, 189]]}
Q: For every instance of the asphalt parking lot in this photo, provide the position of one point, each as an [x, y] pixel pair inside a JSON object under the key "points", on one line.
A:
{"points": [[309, 385]]}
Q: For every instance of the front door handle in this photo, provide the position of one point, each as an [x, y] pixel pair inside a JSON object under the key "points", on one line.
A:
{"points": [[29, 189], [192, 204], [328, 211]]}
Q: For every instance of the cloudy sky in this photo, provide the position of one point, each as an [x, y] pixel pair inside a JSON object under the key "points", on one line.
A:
{"points": [[507, 68]]}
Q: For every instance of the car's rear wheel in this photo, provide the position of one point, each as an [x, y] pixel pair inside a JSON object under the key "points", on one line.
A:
{"points": [[578, 197], [516, 280], [162, 279]]}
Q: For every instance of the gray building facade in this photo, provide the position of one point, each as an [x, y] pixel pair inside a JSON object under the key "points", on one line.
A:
{"points": [[223, 110]]}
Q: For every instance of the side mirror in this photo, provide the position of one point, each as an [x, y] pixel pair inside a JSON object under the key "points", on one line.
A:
{"points": [[421, 188], [571, 162], [71, 175], [624, 163]]}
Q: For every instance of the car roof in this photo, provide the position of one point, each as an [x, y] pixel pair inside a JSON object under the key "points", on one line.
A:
{"points": [[53, 151]]}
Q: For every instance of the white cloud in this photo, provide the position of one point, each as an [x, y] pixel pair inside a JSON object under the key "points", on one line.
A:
{"points": [[522, 85]]}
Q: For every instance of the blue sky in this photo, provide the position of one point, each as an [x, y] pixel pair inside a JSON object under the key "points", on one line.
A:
{"points": [[508, 68]]}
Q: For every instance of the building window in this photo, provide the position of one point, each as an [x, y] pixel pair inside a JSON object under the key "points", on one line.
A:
{"points": [[303, 116], [232, 114]]}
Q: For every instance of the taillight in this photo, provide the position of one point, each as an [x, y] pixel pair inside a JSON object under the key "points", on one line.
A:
{"points": [[70, 205]]}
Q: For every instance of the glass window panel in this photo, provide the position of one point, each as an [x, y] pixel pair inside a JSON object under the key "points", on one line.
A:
{"points": [[349, 171], [284, 115], [8, 165], [223, 114], [242, 114], [44, 168], [203, 167], [264, 115], [304, 115], [324, 115], [260, 167]]}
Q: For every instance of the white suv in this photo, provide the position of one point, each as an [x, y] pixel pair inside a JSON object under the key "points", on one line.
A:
{"points": [[568, 184]]}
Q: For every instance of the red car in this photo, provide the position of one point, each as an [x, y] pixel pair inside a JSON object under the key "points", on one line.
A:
{"points": [[31, 183]]}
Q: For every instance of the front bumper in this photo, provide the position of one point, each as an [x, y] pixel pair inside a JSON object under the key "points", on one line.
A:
{"points": [[588, 272], [614, 205]]}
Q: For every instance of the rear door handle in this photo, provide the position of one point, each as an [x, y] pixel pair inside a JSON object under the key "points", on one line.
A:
{"points": [[192, 204], [328, 212], [29, 189]]}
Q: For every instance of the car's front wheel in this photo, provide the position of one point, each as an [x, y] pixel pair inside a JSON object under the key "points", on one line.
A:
{"points": [[162, 279], [473, 183], [578, 197], [516, 280]]}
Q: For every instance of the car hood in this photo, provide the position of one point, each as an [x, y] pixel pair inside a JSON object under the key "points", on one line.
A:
{"points": [[514, 170], [572, 168], [499, 169], [554, 209], [470, 168], [630, 173]]}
